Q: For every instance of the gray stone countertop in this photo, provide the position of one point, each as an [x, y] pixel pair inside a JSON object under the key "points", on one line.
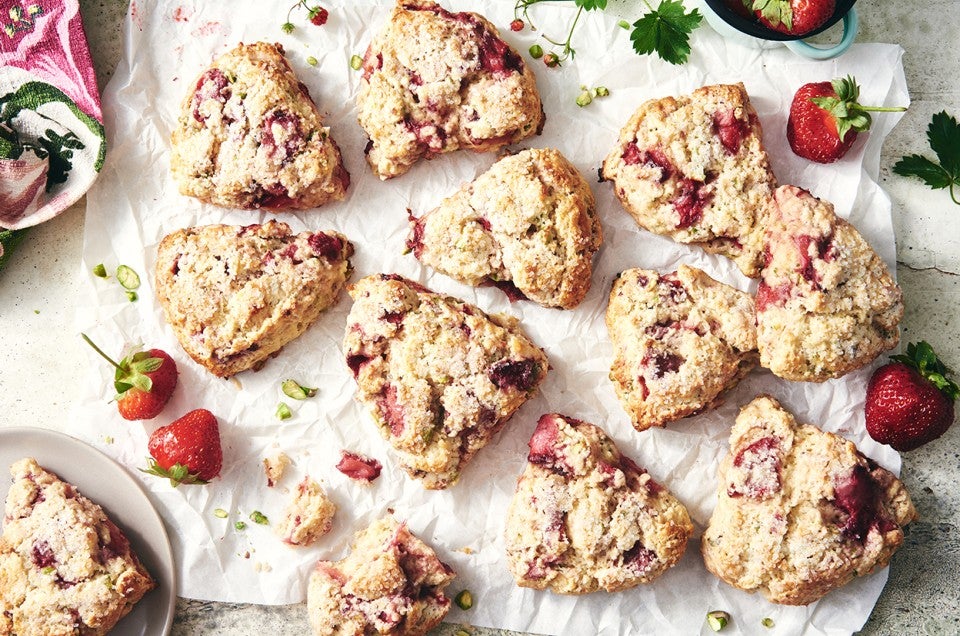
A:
{"points": [[921, 597]]}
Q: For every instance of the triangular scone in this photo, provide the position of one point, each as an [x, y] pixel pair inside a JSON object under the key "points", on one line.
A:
{"points": [[826, 304], [527, 225], [694, 168], [585, 517], [680, 341], [439, 376], [235, 295], [390, 583], [800, 511], [249, 136], [65, 568], [435, 81]]}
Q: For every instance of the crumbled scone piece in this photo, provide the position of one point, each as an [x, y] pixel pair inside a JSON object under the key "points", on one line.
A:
{"points": [[435, 81], [527, 225], [800, 511], [439, 376], [680, 341], [235, 296], [249, 136], [826, 304], [585, 517], [65, 568], [694, 168], [390, 583], [274, 466], [309, 515]]}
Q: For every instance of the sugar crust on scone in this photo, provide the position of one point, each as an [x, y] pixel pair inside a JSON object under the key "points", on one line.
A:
{"points": [[528, 224], [585, 517], [800, 511], [235, 295], [436, 81], [65, 567], [680, 341], [694, 168], [249, 136], [826, 303], [439, 376], [391, 583]]}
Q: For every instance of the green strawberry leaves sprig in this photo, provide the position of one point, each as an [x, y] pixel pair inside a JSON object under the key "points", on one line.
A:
{"points": [[132, 370], [177, 474], [846, 108], [943, 133], [921, 357]]}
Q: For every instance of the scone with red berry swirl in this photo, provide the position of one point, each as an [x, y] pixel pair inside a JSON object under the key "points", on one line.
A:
{"points": [[435, 81], [800, 511], [249, 136]]}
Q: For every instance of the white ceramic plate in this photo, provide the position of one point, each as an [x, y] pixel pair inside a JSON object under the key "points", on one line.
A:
{"points": [[105, 482]]}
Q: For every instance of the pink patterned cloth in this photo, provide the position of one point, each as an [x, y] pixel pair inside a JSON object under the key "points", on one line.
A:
{"points": [[51, 126]]}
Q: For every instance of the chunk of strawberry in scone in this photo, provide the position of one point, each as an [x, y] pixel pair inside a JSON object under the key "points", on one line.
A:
{"points": [[391, 583], [800, 511], [439, 376], [826, 303], [694, 168], [585, 517]]}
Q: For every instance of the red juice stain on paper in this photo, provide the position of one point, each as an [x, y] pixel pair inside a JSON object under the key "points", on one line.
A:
{"points": [[207, 28], [182, 14]]}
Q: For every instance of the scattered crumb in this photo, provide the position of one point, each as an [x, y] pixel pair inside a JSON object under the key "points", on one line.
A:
{"points": [[274, 465], [467, 550], [260, 566]]}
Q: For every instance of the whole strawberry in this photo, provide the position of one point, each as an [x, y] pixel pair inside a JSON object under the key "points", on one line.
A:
{"points": [[910, 401], [794, 17], [825, 118], [144, 381], [187, 451]]}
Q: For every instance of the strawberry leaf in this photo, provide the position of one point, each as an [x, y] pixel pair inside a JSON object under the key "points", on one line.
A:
{"points": [[928, 171], [666, 31], [944, 136], [922, 357], [177, 474], [590, 5]]}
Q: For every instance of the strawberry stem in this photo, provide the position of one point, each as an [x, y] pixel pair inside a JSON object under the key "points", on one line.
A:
{"points": [[884, 109], [102, 354]]}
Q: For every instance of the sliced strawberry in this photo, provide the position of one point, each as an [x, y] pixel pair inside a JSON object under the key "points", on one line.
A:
{"points": [[187, 451]]}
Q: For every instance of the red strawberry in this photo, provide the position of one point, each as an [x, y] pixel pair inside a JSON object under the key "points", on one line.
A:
{"points": [[144, 381], [910, 401], [517, 25], [318, 16], [825, 119], [795, 17], [187, 451]]}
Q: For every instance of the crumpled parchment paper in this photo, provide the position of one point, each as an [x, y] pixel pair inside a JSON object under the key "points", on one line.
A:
{"points": [[135, 203]]}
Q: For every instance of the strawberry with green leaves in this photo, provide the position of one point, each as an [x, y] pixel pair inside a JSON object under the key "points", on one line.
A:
{"points": [[144, 381], [794, 17], [186, 451], [825, 118], [910, 400]]}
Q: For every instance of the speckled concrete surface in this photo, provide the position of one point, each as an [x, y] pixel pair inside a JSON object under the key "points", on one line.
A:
{"points": [[38, 363]]}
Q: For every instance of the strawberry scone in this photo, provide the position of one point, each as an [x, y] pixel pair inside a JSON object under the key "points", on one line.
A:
{"points": [[528, 225], [65, 568], [249, 136], [694, 168], [585, 517], [391, 583], [826, 303], [308, 516], [439, 376], [800, 511], [435, 81], [235, 295], [680, 341]]}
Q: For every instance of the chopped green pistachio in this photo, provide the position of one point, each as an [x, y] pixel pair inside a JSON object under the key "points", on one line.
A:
{"points": [[717, 620], [283, 411], [293, 389], [601, 91], [49, 569], [259, 518], [240, 525], [536, 51], [312, 61], [128, 278], [220, 513], [132, 296], [108, 439], [356, 62], [767, 622], [464, 600], [623, 24], [584, 99], [36, 311], [100, 271]]}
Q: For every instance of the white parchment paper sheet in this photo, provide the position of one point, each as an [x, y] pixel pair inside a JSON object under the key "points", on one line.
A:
{"points": [[135, 203]]}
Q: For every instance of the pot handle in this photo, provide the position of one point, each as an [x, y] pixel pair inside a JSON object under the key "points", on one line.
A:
{"points": [[850, 25]]}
